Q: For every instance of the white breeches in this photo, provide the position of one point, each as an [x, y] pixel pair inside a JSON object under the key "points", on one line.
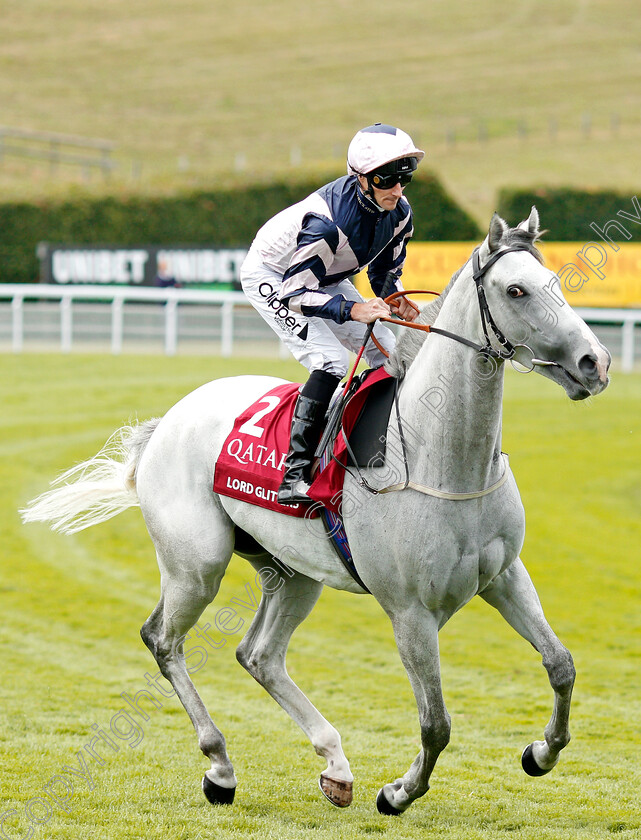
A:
{"points": [[317, 343]]}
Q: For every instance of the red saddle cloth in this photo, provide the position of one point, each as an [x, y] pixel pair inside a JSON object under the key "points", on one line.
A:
{"points": [[251, 464]]}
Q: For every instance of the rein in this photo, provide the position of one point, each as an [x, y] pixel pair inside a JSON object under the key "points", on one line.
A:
{"points": [[507, 349]]}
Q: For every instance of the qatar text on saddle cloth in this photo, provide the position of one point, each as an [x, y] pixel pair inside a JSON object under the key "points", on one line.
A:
{"points": [[252, 461]]}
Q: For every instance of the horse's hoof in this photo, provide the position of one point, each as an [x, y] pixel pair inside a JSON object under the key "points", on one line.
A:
{"points": [[216, 794], [339, 793], [384, 806], [528, 763]]}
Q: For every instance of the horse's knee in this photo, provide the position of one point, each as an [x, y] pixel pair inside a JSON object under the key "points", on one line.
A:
{"points": [[561, 670], [165, 650], [151, 630], [245, 657]]}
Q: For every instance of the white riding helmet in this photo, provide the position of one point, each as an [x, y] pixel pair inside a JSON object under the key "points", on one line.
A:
{"points": [[376, 145]]}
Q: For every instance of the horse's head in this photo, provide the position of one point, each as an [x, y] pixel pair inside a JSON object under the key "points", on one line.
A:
{"points": [[527, 305]]}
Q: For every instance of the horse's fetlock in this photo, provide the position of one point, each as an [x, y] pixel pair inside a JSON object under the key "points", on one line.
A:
{"points": [[327, 741], [416, 788], [212, 744], [559, 744], [557, 741]]}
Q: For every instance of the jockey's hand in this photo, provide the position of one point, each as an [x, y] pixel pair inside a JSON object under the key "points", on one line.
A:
{"points": [[406, 309], [370, 310]]}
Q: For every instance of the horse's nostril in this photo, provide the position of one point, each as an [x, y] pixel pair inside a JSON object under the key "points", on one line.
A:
{"points": [[588, 365]]}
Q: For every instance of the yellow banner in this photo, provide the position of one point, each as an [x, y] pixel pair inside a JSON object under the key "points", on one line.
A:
{"points": [[591, 274]]}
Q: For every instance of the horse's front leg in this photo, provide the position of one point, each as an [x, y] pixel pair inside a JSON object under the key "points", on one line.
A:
{"points": [[416, 632], [514, 596]]}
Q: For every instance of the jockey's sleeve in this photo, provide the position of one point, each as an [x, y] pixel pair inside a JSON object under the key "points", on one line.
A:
{"points": [[316, 246], [319, 305], [315, 252]]}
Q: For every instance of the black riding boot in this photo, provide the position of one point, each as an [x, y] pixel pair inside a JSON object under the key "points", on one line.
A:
{"points": [[307, 424]]}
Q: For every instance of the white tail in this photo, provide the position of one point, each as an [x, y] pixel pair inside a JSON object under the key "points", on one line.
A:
{"points": [[97, 489]]}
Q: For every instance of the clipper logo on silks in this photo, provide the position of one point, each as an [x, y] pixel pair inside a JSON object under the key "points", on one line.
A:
{"points": [[284, 318], [252, 461]]}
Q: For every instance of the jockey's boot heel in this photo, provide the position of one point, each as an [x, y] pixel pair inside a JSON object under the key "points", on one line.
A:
{"points": [[307, 423]]}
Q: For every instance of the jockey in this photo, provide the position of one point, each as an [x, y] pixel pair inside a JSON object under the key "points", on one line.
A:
{"points": [[296, 275]]}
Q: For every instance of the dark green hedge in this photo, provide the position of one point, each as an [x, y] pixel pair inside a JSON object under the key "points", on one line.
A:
{"points": [[220, 218], [568, 213]]}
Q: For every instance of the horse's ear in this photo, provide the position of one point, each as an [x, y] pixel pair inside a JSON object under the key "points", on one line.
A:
{"points": [[498, 229], [531, 224]]}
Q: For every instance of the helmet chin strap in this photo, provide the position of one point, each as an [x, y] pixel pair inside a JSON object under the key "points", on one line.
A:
{"points": [[369, 192]]}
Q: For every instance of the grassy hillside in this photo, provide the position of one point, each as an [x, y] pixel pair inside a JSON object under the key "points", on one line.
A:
{"points": [[72, 608], [529, 92]]}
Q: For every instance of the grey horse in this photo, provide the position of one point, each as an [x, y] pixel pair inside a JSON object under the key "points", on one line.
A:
{"points": [[423, 547]]}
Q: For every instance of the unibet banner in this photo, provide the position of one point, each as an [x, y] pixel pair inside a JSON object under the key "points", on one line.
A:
{"points": [[145, 265], [591, 274]]}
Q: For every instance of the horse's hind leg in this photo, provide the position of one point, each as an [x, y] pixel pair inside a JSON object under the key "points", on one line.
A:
{"points": [[262, 652], [514, 596], [192, 568]]}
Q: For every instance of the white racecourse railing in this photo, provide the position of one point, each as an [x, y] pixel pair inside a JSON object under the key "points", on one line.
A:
{"points": [[115, 298], [229, 305]]}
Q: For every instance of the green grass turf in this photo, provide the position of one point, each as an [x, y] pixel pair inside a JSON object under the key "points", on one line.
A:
{"points": [[72, 608], [186, 87]]}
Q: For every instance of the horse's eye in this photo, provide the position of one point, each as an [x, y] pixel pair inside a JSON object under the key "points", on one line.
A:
{"points": [[515, 292]]}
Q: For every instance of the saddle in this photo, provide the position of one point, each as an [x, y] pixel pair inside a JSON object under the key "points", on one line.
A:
{"points": [[362, 414], [358, 437]]}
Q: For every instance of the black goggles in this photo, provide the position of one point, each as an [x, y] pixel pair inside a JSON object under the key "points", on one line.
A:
{"points": [[393, 173], [386, 182]]}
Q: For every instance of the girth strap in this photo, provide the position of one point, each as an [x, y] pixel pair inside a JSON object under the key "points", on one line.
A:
{"points": [[454, 497]]}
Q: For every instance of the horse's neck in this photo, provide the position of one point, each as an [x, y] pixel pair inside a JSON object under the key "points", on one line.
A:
{"points": [[451, 399]]}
